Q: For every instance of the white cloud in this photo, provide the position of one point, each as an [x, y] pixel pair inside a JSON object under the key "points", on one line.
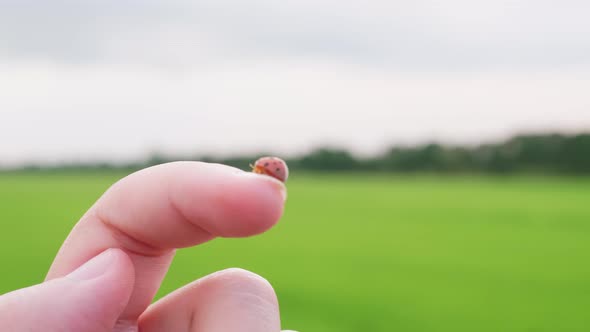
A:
{"points": [[116, 79]]}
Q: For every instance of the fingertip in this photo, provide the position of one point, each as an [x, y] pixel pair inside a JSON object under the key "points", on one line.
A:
{"points": [[228, 202], [238, 280], [230, 300], [256, 204], [111, 272], [112, 289], [110, 263], [275, 185], [123, 268], [249, 297]]}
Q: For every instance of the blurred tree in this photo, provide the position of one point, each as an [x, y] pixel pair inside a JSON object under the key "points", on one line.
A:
{"points": [[329, 159], [575, 154], [554, 153]]}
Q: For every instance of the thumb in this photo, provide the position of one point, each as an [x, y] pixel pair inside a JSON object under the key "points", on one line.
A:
{"points": [[90, 299]]}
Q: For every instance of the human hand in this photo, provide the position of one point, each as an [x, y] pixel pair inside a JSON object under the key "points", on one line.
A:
{"points": [[111, 265]]}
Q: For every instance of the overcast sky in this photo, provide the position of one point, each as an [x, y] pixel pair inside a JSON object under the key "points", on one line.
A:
{"points": [[116, 80]]}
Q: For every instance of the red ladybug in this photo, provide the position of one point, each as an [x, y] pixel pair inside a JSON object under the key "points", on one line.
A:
{"points": [[271, 166]]}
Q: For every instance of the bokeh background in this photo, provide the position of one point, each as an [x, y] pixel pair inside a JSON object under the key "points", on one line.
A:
{"points": [[439, 150]]}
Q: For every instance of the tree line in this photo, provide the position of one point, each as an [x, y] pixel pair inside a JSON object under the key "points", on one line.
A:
{"points": [[552, 153], [535, 153]]}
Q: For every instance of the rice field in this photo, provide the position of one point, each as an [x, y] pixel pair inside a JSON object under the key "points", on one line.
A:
{"points": [[366, 252]]}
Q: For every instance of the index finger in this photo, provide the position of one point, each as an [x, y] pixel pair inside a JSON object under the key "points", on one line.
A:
{"points": [[150, 213]]}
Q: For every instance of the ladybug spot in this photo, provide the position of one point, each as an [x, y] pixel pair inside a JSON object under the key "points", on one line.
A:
{"points": [[265, 164], [278, 170]]}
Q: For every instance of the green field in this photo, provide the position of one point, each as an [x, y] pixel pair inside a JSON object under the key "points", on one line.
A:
{"points": [[367, 253]]}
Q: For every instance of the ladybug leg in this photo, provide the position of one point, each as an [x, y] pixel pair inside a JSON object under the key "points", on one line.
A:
{"points": [[257, 169]]}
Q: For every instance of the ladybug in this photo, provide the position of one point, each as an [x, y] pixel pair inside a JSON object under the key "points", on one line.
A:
{"points": [[271, 166]]}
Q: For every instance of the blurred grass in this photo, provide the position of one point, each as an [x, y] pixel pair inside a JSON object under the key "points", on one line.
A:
{"points": [[367, 253]]}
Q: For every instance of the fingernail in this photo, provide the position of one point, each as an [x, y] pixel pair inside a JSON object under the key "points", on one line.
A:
{"points": [[281, 187], [95, 267], [278, 185]]}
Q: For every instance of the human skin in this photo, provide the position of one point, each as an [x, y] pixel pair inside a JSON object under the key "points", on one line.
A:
{"points": [[108, 270]]}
